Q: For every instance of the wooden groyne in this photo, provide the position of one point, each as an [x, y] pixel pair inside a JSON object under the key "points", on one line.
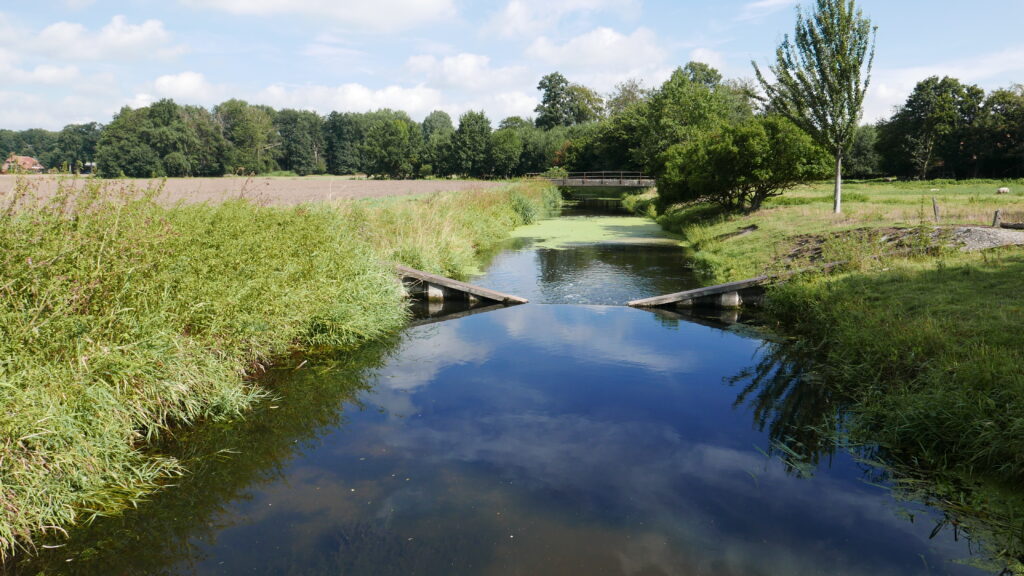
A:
{"points": [[729, 295], [434, 288]]}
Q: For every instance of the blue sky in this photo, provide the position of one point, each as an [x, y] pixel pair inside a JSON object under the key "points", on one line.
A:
{"points": [[64, 61]]}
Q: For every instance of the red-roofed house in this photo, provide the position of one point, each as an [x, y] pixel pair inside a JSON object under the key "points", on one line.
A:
{"points": [[21, 164]]}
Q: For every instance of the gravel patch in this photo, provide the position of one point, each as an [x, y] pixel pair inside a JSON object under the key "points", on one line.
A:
{"points": [[974, 238]]}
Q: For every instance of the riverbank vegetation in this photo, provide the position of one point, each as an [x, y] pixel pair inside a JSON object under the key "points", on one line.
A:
{"points": [[919, 338], [122, 320]]}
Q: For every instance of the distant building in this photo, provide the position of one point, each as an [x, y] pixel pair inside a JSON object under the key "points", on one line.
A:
{"points": [[21, 165]]}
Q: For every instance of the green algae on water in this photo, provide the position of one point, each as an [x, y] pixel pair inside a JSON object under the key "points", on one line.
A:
{"points": [[573, 231]]}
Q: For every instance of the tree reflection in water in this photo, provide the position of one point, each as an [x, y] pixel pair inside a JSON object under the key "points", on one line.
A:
{"points": [[807, 418], [796, 405]]}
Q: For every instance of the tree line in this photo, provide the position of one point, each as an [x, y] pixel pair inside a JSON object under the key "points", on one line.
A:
{"points": [[945, 129]]}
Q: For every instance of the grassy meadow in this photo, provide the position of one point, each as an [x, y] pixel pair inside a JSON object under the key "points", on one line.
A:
{"points": [[925, 340], [122, 321], [786, 223]]}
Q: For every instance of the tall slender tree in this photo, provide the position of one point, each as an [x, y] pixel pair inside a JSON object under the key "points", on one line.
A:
{"points": [[822, 75]]}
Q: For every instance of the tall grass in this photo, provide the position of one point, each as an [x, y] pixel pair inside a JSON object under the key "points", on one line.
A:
{"points": [[122, 320]]}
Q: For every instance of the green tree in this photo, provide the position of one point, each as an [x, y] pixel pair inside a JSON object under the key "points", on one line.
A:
{"points": [[123, 150], [253, 141], [555, 106], [741, 165], [302, 141], [438, 132], [540, 148], [207, 150], [504, 151], [34, 142], [515, 122], [691, 102], [932, 128], [75, 145], [625, 95], [163, 139], [1002, 127], [566, 104], [470, 143], [585, 105], [863, 158], [343, 138], [392, 145], [821, 79]]}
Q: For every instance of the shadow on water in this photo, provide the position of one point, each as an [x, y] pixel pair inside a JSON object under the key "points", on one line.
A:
{"points": [[805, 415], [225, 461]]}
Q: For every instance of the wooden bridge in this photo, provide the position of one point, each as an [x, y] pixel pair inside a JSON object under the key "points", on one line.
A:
{"points": [[602, 180]]}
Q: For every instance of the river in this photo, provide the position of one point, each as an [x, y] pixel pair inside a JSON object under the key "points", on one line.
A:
{"points": [[572, 435]]}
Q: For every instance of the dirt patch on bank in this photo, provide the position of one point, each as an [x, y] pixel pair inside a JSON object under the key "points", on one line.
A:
{"points": [[974, 238], [904, 241], [272, 191]]}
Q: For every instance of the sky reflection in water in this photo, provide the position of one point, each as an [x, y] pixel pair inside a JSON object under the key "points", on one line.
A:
{"points": [[566, 440], [559, 437]]}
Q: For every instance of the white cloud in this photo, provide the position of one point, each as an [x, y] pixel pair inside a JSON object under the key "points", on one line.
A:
{"points": [[528, 17], [761, 8], [471, 72], [891, 87], [19, 110], [376, 15], [602, 48], [418, 101], [140, 100], [43, 74], [603, 57], [22, 110], [331, 46], [118, 40], [497, 106], [188, 88], [710, 57], [79, 4]]}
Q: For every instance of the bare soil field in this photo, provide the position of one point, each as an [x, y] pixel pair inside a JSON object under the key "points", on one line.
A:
{"points": [[273, 191]]}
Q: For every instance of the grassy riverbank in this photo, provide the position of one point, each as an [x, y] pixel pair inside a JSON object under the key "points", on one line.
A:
{"points": [[925, 341], [122, 320]]}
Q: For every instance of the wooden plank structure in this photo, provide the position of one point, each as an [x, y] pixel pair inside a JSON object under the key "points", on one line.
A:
{"points": [[606, 179], [434, 288], [729, 295], [436, 312]]}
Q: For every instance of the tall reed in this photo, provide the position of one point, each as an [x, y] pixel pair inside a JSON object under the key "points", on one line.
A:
{"points": [[122, 320]]}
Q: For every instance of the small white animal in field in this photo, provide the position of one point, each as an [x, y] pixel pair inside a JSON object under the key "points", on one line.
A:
{"points": [[1003, 190]]}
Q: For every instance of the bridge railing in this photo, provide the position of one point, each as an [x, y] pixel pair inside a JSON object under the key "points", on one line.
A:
{"points": [[601, 178]]}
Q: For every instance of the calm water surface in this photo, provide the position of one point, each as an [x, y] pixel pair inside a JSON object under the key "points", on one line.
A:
{"points": [[568, 436]]}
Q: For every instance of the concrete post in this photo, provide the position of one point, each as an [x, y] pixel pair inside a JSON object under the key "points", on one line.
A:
{"points": [[730, 300], [435, 293]]}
